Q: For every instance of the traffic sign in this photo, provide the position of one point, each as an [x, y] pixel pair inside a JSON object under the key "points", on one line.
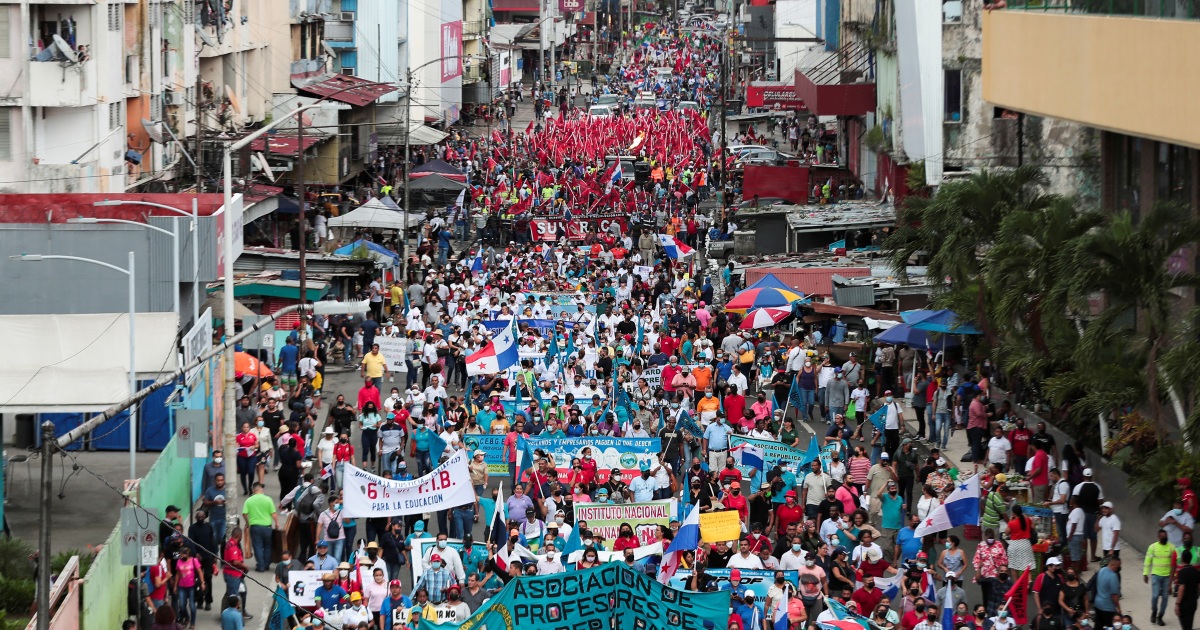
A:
{"points": [[139, 536]]}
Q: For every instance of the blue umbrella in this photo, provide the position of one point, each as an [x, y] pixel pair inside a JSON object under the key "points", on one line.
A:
{"points": [[941, 321], [914, 338]]}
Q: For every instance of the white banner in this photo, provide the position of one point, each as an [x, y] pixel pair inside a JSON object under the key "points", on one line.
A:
{"points": [[395, 350], [301, 586], [369, 496]]}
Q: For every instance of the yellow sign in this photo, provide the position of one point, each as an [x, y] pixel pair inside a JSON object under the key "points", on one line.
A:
{"points": [[718, 526]]}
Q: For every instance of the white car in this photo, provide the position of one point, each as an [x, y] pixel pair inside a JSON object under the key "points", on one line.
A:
{"points": [[690, 105], [722, 21], [600, 111]]}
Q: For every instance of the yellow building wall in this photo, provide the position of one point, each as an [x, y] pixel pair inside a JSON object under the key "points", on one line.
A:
{"points": [[1134, 76]]}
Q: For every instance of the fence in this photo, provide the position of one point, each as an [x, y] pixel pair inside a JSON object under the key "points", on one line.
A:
{"points": [[105, 587]]}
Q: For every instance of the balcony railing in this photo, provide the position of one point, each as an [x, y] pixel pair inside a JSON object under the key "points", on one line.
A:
{"points": [[1166, 9], [473, 28]]}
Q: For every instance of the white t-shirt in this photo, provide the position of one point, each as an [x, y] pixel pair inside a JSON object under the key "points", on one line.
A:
{"points": [[749, 562], [1075, 522], [998, 448], [1108, 526], [325, 450], [1062, 492]]}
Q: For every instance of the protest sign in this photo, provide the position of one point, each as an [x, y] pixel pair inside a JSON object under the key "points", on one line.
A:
{"points": [[301, 586], [623, 453], [493, 450], [653, 376], [395, 350], [717, 526], [612, 596], [542, 326], [372, 496], [606, 519], [757, 581]]}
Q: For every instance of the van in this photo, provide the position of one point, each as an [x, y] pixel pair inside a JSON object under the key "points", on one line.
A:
{"points": [[627, 168]]}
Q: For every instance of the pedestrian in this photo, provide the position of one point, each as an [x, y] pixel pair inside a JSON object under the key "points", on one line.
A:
{"points": [[1187, 589], [1158, 569], [1108, 593]]}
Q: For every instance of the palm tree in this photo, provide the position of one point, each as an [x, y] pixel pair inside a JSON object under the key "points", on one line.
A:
{"points": [[956, 227], [1131, 265]]}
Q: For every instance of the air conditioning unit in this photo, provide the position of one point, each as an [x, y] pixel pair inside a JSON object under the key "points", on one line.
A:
{"points": [[348, 72], [346, 16], [173, 98]]}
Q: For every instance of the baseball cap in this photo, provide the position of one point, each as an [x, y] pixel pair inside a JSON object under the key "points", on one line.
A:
{"points": [[1087, 472], [887, 393], [435, 558], [454, 587], [735, 574], [1107, 504], [884, 456], [355, 596], [394, 583], [790, 493], [736, 484], [1054, 560], [322, 543], [419, 526], [644, 466]]}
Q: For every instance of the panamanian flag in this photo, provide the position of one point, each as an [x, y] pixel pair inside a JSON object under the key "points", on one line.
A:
{"points": [[674, 247], [499, 354], [960, 508]]}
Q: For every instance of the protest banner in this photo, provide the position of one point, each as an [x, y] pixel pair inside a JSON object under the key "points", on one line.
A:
{"points": [[542, 326], [653, 376], [606, 519], [301, 586], [757, 581], [395, 350], [493, 450], [612, 596], [717, 526], [563, 303], [372, 496], [773, 451], [623, 453]]}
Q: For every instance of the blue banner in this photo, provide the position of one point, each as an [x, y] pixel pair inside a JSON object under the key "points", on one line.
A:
{"points": [[623, 453], [543, 326], [612, 596], [755, 580]]}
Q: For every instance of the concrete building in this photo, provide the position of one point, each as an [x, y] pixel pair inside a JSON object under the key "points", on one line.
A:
{"points": [[1132, 80]]}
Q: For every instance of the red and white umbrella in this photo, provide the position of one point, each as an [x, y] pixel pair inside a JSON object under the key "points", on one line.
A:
{"points": [[765, 317]]}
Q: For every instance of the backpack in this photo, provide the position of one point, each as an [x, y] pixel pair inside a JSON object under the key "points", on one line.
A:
{"points": [[308, 502], [1092, 587], [333, 530]]}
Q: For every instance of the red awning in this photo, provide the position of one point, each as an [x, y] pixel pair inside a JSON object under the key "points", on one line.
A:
{"points": [[284, 145], [346, 89]]}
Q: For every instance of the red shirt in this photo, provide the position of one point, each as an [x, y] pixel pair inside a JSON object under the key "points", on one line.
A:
{"points": [[1020, 442], [622, 543], [1040, 472], [1189, 502], [874, 569], [668, 375], [735, 408], [737, 503], [233, 554], [785, 515], [730, 474], [588, 474], [343, 452], [867, 601], [756, 544], [369, 393], [669, 345], [247, 444]]}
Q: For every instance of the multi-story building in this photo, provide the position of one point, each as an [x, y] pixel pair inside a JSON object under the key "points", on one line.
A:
{"points": [[1129, 74]]}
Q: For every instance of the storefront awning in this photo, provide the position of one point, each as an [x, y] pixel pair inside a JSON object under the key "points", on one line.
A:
{"points": [[278, 144]]}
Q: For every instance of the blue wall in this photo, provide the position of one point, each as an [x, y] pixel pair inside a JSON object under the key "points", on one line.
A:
{"points": [[829, 18]]}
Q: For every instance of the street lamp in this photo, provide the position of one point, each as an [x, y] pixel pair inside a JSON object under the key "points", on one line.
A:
{"points": [[132, 336], [195, 214], [174, 250]]}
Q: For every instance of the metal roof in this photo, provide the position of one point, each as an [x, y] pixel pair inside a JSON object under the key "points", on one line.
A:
{"points": [[808, 280], [343, 88]]}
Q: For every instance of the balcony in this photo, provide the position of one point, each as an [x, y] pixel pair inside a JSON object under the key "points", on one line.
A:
{"points": [[1130, 75], [58, 84], [838, 85], [472, 29]]}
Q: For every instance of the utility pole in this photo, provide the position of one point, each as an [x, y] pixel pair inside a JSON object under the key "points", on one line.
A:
{"points": [[404, 173], [542, 38], [724, 119], [199, 138], [303, 244], [43, 564]]}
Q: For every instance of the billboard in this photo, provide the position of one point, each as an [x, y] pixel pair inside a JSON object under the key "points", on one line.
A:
{"points": [[452, 36], [570, 6], [773, 94]]}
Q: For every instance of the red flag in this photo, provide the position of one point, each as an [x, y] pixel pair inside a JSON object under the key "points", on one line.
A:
{"points": [[1017, 599]]}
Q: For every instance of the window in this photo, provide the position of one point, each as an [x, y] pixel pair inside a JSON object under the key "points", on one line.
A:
{"points": [[952, 11], [189, 12], [4, 42], [6, 134], [116, 114], [156, 107], [130, 69], [114, 16], [954, 96]]}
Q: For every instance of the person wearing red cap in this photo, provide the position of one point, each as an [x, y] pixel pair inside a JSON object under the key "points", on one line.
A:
{"points": [[788, 512], [1188, 496], [453, 610], [394, 608]]}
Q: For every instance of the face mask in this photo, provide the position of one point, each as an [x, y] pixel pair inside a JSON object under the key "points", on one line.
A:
{"points": [[674, 405], [436, 565], [797, 546], [441, 544], [218, 460], [343, 573], [810, 563], [261, 423], [991, 541], [890, 399], [1003, 614], [1085, 622], [708, 394], [337, 507], [947, 545], [513, 539], [588, 543], [1177, 512], [779, 580], [837, 376]]}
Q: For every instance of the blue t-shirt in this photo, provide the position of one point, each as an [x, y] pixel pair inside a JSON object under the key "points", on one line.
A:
{"points": [[289, 355], [910, 544], [444, 238], [1108, 583], [789, 483], [421, 438], [489, 506], [217, 510], [331, 598], [893, 515]]}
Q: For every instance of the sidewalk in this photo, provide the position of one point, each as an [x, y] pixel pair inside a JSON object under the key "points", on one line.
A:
{"points": [[1135, 597]]}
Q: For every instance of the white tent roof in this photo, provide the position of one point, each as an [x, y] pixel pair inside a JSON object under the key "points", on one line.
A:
{"points": [[79, 363], [374, 214]]}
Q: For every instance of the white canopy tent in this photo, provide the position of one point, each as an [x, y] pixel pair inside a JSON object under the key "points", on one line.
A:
{"points": [[80, 363], [375, 214]]}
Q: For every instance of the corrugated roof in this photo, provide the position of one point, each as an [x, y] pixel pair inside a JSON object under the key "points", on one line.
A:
{"points": [[343, 88], [833, 309], [807, 280]]}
